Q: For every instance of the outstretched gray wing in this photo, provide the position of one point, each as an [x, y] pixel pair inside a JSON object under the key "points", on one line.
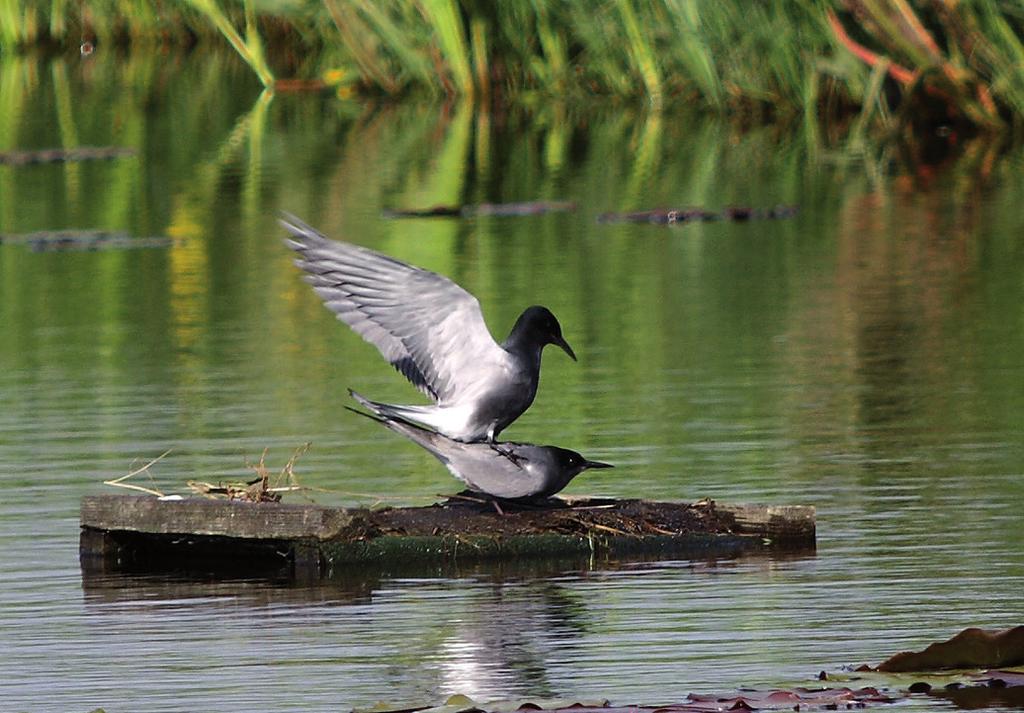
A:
{"points": [[426, 326]]}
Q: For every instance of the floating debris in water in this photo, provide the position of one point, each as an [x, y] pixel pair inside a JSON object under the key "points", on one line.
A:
{"points": [[971, 648], [531, 208], [85, 240], [498, 209], [991, 689], [692, 215], [437, 211], [748, 700], [80, 153]]}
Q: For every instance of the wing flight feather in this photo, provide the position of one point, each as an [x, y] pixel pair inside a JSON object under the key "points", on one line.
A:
{"points": [[426, 326]]}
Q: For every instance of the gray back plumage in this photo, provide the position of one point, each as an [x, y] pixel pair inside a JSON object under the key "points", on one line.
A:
{"points": [[531, 472]]}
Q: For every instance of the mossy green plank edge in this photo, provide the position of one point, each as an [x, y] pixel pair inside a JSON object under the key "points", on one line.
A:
{"points": [[403, 548]]}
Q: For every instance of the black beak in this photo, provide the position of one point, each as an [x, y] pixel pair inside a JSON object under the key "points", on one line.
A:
{"points": [[596, 464], [560, 341]]}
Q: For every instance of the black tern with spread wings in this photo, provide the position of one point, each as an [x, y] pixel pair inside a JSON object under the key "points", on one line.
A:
{"points": [[511, 471], [433, 332]]}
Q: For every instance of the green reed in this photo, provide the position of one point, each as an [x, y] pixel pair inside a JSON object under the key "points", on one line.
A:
{"points": [[800, 58], [249, 47]]}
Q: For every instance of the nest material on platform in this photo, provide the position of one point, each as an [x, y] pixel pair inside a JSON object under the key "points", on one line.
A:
{"points": [[264, 488]]}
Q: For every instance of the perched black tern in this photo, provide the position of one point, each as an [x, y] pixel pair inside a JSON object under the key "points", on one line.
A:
{"points": [[510, 471], [433, 332]]}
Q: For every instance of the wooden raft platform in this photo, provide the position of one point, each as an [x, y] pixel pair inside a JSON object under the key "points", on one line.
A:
{"points": [[124, 533]]}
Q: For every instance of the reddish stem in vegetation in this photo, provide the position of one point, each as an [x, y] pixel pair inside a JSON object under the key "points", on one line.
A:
{"points": [[299, 85], [899, 73], [985, 99]]}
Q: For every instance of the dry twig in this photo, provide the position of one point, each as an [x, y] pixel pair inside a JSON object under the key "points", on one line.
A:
{"points": [[119, 482]]}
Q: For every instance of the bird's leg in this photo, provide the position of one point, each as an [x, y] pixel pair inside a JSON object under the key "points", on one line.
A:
{"points": [[507, 452], [497, 507]]}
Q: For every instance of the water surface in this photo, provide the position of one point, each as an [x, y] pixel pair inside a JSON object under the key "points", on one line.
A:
{"points": [[863, 357]]}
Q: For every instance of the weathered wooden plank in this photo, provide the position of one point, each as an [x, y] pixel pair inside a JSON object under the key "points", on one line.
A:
{"points": [[775, 521], [310, 540], [200, 516], [288, 521]]}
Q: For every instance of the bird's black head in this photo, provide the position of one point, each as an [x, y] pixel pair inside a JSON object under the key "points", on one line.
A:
{"points": [[572, 463], [540, 326], [561, 466]]}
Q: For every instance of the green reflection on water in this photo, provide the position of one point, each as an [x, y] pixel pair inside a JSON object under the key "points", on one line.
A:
{"points": [[863, 356], [874, 327]]}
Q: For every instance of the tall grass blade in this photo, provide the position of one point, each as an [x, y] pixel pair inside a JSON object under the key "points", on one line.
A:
{"points": [[249, 49], [402, 38], [446, 23], [481, 55], [872, 101], [254, 43], [694, 52], [16, 25], [362, 44], [553, 61], [604, 51], [641, 51]]}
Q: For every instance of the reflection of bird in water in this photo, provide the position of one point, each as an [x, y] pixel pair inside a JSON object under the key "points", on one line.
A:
{"points": [[503, 470], [433, 332], [508, 639]]}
